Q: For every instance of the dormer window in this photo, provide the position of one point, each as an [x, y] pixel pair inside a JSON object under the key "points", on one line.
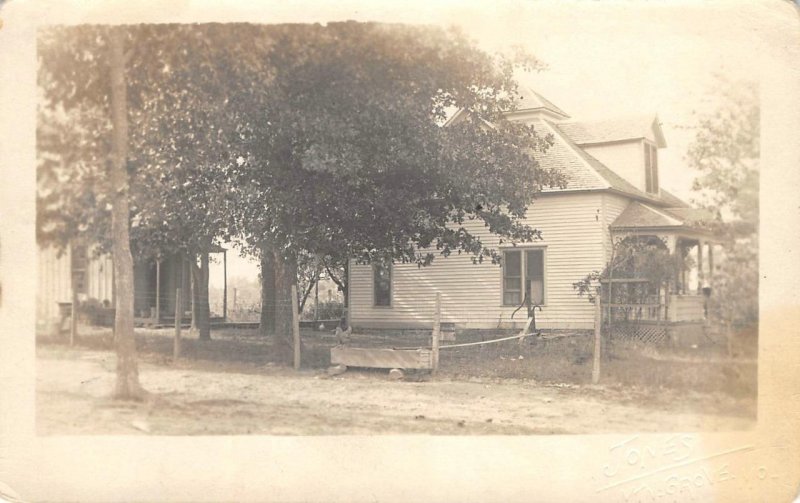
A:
{"points": [[651, 168]]}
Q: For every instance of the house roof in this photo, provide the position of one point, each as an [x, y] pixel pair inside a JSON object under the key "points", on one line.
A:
{"points": [[639, 215], [603, 177], [619, 129], [581, 170], [672, 201], [693, 216], [585, 172], [529, 99], [563, 158]]}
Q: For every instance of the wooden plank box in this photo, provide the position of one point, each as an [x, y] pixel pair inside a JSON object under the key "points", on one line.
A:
{"points": [[382, 358]]}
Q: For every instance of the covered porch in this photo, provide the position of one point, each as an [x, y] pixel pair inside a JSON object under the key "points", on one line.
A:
{"points": [[691, 243], [156, 283]]}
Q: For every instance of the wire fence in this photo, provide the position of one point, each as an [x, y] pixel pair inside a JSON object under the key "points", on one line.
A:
{"points": [[151, 306], [647, 324], [508, 348]]}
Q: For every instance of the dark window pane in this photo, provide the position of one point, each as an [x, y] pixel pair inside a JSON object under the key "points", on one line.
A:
{"points": [[512, 278], [382, 283], [535, 264], [512, 284], [512, 264], [648, 175], [654, 165]]}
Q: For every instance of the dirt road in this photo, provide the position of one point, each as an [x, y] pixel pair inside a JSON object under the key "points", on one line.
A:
{"points": [[73, 398]]}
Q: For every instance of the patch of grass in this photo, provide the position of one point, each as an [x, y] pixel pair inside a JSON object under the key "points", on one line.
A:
{"points": [[564, 360]]}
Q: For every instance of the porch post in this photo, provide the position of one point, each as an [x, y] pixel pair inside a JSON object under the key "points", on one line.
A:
{"points": [[710, 262], [700, 275]]}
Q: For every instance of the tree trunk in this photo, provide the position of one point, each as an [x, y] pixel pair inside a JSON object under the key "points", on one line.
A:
{"points": [[201, 323], [345, 284], [311, 284], [127, 385], [340, 282], [193, 281], [285, 277], [267, 322], [203, 309]]}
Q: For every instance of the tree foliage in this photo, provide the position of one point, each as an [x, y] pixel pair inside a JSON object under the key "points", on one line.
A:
{"points": [[179, 144], [634, 257], [343, 152], [348, 155], [726, 152], [302, 140]]}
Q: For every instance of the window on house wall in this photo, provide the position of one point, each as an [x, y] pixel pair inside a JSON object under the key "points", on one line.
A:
{"points": [[79, 258], [382, 283], [523, 274], [651, 168], [654, 167]]}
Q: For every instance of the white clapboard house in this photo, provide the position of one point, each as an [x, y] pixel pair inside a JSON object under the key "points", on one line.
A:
{"points": [[612, 190]]}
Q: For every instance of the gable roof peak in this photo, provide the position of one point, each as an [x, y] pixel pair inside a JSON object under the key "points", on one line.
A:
{"points": [[529, 100]]}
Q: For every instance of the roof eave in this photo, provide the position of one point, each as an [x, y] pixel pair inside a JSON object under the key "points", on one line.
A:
{"points": [[688, 231], [453, 118], [523, 113], [609, 142]]}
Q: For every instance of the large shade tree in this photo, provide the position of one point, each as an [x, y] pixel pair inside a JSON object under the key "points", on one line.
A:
{"points": [[345, 154], [132, 149], [182, 144], [87, 96], [305, 140]]}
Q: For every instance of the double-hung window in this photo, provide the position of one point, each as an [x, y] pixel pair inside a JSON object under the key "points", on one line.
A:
{"points": [[523, 275]]}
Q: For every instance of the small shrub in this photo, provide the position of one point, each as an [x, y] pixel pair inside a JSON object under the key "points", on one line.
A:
{"points": [[328, 310]]}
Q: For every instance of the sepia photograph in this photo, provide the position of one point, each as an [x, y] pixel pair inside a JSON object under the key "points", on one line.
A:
{"points": [[466, 222], [381, 228]]}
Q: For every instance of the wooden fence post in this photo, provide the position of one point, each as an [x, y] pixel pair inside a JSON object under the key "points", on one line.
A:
{"points": [[597, 327], [73, 322], [729, 338], [295, 329], [176, 345], [437, 327]]}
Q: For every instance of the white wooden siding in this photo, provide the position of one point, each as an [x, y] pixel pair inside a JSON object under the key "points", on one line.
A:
{"points": [[624, 158], [55, 281], [572, 231]]}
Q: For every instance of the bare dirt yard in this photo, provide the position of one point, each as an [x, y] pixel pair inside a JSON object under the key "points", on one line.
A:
{"points": [[230, 385]]}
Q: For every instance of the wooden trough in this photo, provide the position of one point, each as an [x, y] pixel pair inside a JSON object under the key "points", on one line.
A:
{"points": [[399, 359], [380, 358]]}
